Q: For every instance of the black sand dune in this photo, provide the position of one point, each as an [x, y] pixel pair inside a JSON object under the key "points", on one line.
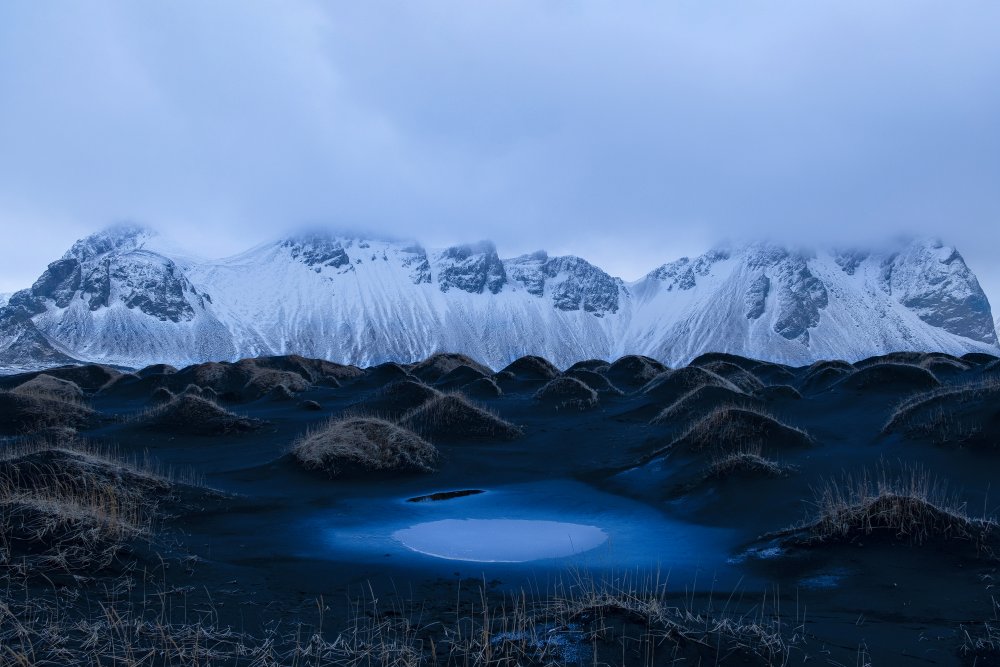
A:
{"points": [[567, 393], [531, 368], [360, 445], [451, 417], [683, 469], [190, 414]]}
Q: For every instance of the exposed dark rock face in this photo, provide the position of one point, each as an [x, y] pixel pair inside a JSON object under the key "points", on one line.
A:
{"points": [[573, 283], [473, 268], [317, 251]]}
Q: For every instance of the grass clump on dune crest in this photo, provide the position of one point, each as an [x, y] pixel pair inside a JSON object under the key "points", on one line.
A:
{"points": [[957, 415], [363, 444], [69, 508], [738, 428], [192, 414], [26, 411], [910, 505], [749, 462], [453, 417], [567, 393]]}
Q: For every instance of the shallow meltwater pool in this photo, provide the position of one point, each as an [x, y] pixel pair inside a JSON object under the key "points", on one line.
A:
{"points": [[549, 525], [500, 540]]}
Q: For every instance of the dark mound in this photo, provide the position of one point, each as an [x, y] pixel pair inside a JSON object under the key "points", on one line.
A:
{"points": [[699, 402], [313, 371], [262, 382], [594, 365], [89, 378], [992, 367], [943, 366], [736, 429], [774, 373], [890, 358], [161, 395], [192, 415], [532, 368], [746, 381], [396, 399], [633, 371], [22, 413], [310, 405], [386, 373], [964, 415], [484, 388], [458, 376], [65, 511], [823, 377], [978, 358], [567, 393], [364, 445], [709, 358], [281, 393], [156, 369], [450, 417], [595, 381], [53, 387], [444, 495], [890, 376], [744, 465], [779, 392], [437, 366], [668, 386]]}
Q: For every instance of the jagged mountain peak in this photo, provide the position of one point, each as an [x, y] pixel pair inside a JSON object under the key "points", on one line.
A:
{"points": [[122, 296], [121, 237]]}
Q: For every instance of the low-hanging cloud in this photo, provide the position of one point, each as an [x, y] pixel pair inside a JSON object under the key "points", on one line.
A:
{"points": [[629, 133]]}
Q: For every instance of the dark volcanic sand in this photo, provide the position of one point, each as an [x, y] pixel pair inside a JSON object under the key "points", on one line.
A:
{"points": [[286, 537]]}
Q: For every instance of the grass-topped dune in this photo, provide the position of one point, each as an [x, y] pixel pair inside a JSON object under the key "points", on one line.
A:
{"points": [[595, 381], [48, 385], [701, 401], [358, 445], [22, 412], [633, 371], [668, 386], [397, 398], [890, 375], [190, 414], [567, 393], [73, 510], [531, 367], [437, 366], [730, 429], [745, 380], [958, 415], [909, 506], [451, 417], [748, 463]]}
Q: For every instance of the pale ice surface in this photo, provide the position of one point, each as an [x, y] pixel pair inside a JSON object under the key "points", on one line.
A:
{"points": [[500, 540]]}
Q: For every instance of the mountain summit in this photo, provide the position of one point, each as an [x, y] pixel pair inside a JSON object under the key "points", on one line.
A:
{"points": [[121, 296]]}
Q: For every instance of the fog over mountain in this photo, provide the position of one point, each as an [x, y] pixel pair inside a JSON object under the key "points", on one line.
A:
{"points": [[124, 296]]}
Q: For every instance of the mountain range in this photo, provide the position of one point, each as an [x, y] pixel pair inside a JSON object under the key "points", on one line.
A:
{"points": [[124, 296]]}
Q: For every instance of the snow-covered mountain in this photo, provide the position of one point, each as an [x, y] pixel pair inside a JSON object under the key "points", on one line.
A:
{"points": [[123, 296]]}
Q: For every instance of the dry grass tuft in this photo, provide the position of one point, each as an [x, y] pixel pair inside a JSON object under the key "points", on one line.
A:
{"points": [[193, 415], [731, 429], [359, 444], [531, 367], [699, 400], [72, 509], [26, 411], [567, 393], [910, 505], [744, 463], [453, 417], [951, 415], [46, 385]]}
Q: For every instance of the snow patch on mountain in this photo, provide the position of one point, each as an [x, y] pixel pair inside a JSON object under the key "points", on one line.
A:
{"points": [[126, 296]]}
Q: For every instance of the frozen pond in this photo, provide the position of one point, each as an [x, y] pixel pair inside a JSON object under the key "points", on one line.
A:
{"points": [[527, 528], [500, 540]]}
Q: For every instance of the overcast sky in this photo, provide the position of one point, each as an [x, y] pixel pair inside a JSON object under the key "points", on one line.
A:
{"points": [[629, 133]]}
